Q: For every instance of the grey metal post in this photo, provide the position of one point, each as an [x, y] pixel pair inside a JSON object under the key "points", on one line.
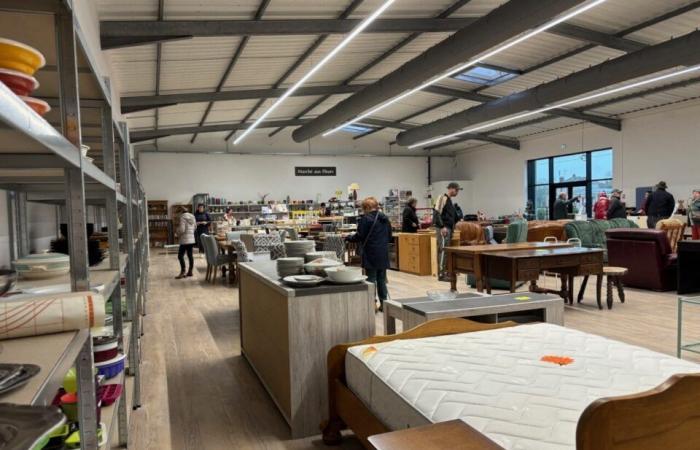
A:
{"points": [[22, 223], [12, 225], [87, 405], [70, 123]]}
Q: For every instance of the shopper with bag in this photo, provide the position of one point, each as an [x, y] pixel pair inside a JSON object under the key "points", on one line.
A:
{"points": [[373, 237], [444, 220], [694, 213]]}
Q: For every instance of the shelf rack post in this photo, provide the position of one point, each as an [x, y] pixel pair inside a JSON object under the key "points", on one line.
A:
{"points": [[70, 122], [87, 404], [17, 224], [132, 266]]}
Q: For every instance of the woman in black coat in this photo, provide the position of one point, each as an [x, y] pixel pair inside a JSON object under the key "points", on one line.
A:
{"points": [[409, 222], [373, 236]]}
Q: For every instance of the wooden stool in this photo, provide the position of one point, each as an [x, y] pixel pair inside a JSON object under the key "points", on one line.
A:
{"points": [[614, 275]]}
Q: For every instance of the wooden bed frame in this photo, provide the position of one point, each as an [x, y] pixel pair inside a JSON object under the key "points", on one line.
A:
{"points": [[665, 417]]}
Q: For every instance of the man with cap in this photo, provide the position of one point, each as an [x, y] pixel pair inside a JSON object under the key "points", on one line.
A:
{"points": [[444, 219], [660, 205], [616, 210]]}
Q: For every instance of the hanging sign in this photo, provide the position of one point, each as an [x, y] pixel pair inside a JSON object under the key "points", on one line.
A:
{"points": [[314, 171]]}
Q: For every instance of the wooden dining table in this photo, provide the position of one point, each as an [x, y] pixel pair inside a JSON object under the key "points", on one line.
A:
{"points": [[468, 258]]}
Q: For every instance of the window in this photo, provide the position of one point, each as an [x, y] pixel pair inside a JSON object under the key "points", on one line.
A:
{"points": [[486, 75], [357, 129], [582, 175]]}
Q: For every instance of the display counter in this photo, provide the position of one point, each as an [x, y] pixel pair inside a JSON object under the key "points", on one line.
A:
{"points": [[286, 334]]}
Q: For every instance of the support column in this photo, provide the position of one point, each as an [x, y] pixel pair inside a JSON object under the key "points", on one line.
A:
{"points": [[70, 123]]}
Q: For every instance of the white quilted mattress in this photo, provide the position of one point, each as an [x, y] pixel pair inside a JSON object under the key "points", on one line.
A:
{"points": [[494, 380]]}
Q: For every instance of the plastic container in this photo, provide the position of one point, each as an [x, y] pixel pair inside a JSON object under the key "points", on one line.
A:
{"points": [[21, 57], [111, 368], [69, 406], [39, 106], [105, 348], [42, 265], [109, 393], [18, 82]]}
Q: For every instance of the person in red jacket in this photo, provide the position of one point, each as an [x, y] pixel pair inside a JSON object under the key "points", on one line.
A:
{"points": [[600, 209]]}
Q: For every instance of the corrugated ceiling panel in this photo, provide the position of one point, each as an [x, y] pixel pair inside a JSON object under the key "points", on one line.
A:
{"points": [[177, 9], [616, 15], [141, 122], [668, 29], [560, 69], [307, 9], [135, 69], [404, 8]]}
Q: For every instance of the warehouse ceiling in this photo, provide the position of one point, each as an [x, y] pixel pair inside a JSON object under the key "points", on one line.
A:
{"points": [[193, 74]]}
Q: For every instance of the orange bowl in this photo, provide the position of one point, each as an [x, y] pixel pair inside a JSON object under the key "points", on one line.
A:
{"points": [[20, 57], [40, 106]]}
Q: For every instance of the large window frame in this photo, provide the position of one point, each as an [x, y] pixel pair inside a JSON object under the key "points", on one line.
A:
{"points": [[536, 184]]}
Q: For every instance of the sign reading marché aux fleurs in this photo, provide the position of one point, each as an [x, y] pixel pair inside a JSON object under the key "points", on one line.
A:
{"points": [[314, 171]]}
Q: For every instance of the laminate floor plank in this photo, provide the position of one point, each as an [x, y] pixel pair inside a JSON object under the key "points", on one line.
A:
{"points": [[198, 392]]}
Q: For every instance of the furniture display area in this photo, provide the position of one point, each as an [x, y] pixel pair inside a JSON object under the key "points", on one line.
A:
{"points": [[526, 265], [592, 233], [538, 231], [648, 256], [454, 355], [468, 260], [46, 163], [414, 253], [160, 227], [482, 308], [688, 262], [275, 325]]}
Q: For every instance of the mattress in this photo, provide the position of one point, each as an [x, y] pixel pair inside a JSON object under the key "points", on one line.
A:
{"points": [[497, 382]]}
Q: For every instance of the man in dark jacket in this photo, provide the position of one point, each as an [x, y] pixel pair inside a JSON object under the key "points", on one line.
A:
{"points": [[203, 221], [409, 220], [444, 219], [659, 205], [561, 206], [616, 210]]}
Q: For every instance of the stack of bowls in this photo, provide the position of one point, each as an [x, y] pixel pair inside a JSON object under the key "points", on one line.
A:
{"points": [[18, 63], [311, 256], [299, 248], [42, 265], [290, 266]]}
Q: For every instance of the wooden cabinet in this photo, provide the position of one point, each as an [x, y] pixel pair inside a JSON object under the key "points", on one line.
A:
{"points": [[159, 225], [414, 253]]}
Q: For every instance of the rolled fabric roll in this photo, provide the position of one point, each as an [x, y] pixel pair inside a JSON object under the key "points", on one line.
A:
{"points": [[51, 313]]}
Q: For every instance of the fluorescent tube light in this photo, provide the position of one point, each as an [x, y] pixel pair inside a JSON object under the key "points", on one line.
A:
{"points": [[364, 24], [471, 63], [559, 105]]}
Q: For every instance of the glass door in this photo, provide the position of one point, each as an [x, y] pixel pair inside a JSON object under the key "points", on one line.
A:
{"points": [[573, 190]]}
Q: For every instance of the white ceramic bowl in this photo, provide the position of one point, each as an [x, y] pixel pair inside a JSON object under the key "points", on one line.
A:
{"points": [[318, 266], [344, 274], [441, 294]]}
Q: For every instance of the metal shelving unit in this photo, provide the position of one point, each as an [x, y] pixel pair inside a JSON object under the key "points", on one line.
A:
{"points": [[40, 161]]}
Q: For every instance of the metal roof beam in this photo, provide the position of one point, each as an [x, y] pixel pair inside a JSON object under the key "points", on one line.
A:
{"points": [[652, 59], [145, 135], [143, 102], [121, 33], [596, 37], [501, 24]]}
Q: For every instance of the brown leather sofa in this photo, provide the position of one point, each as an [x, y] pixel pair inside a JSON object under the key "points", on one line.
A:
{"points": [[538, 230], [470, 233], [648, 256]]}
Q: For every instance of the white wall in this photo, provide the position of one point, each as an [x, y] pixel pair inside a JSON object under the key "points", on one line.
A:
{"points": [[660, 144], [175, 177], [42, 228]]}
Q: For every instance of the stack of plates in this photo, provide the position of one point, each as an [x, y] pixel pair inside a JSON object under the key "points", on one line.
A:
{"points": [[303, 280], [290, 266], [311, 256], [299, 248]]}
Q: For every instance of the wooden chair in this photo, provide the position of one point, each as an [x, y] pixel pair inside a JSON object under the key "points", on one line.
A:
{"points": [[674, 229]]}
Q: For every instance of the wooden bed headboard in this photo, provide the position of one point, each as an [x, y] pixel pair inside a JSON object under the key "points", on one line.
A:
{"points": [[666, 417]]}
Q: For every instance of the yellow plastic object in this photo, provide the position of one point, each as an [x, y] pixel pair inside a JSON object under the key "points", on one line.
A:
{"points": [[70, 381], [21, 57]]}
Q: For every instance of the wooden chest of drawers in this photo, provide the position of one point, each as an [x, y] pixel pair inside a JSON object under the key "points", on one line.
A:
{"points": [[414, 253]]}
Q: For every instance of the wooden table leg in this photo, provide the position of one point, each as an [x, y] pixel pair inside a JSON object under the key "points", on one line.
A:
{"points": [[564, 287], [582, 291], [598, 290], [610, 293], [478, 274], [571, 289], [620, 289]]}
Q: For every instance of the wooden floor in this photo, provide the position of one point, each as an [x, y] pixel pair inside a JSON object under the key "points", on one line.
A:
{"points": [[199, 393]]}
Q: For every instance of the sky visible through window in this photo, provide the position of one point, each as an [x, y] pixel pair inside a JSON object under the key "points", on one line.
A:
{"points": [[485, 76]]}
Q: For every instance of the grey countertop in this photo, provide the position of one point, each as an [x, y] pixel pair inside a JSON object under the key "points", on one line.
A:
{"points": [[267, 271], [481, 302]]}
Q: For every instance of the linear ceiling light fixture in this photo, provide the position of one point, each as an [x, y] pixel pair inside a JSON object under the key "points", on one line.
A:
{"points": [[472, 62], [364, 24], [559, 105]]}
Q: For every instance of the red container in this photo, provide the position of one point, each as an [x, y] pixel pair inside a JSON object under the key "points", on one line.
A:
{"points": [[109, 393], [18, 82], [105, 348], [39, 106]]}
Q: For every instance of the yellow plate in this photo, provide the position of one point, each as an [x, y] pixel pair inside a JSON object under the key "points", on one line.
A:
{"points": [[21, 57]]}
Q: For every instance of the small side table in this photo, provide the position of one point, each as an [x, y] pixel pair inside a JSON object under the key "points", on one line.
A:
{"points": [[454, 435], [691, 346]]}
